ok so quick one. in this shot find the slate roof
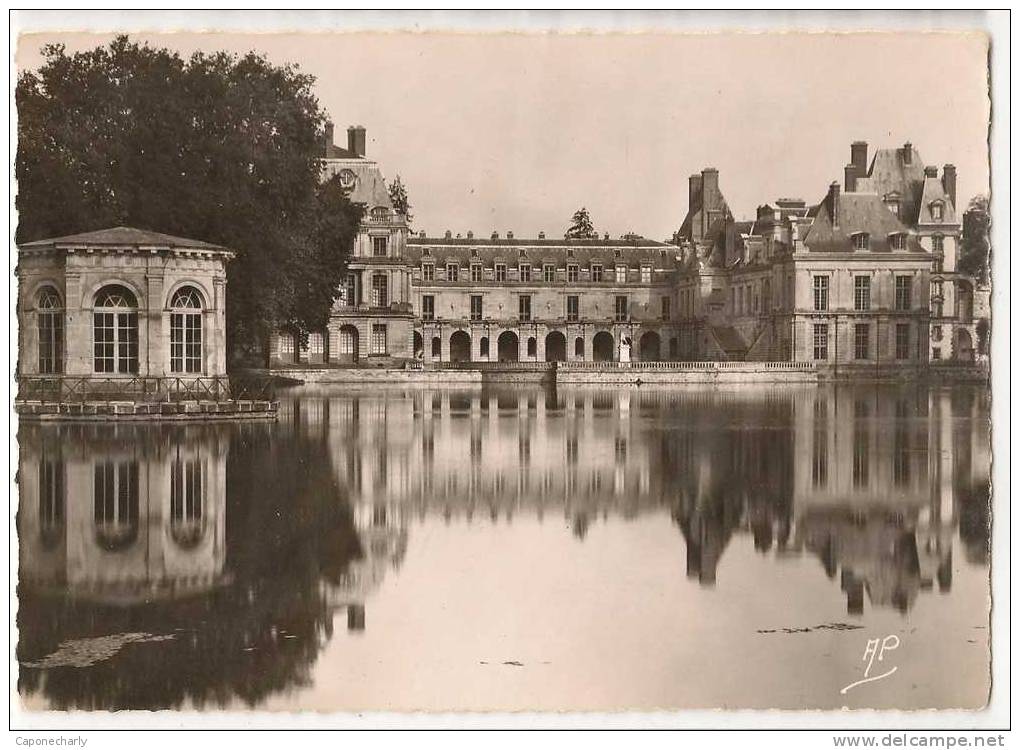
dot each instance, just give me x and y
(858, 212)
(889, 173)
(536, 252)
(125, 236)
(370, 186)
(934, 191)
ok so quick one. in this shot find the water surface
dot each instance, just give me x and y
(513, 549)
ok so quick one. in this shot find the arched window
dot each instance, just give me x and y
(50, 323)
(186, 331)
(115, 330)
(115, 491)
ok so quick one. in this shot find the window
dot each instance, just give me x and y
(115, 330)
(379, 246)
(861, 241)
(596, 272)
(50, 322)
(937, 243)
(572, 273)
(862, 292)
(452, 271)
(348, 292)
(428, 307)
(621, 274)
(115, 502)
(665, 308)
(380, 290)
(476, 271)
(646, 275)
(862, 348)
(524, 271)
(548, 273)
(821, 288)
(286, 343)
(428, 271)
(483, 347)
(186, 331)
(572, 308)
(476, 307)
(821, 341)
(379, 338)
(621, 307)
(902, 341)
(936, 211)
(898, 241)
(187, 496)
(894, 206)
(501, 272)
(903, 301)
(524, 307)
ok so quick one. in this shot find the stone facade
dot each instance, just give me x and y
(122, 303)
(863, 279)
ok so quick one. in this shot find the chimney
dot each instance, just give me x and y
(510, 235)
(448, 234)
(930, 171)
(834, 203)
(709, 187)
(356, 140)
(470, 235)
(495, 236)
(850, 178)
(859, 157)
(421, 234)
(541, 235)
(949, 181)
(328, 137)
(908, 153)
(693, 191)
(606, 236)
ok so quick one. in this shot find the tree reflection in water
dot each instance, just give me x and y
(244, 542)
(255, 631)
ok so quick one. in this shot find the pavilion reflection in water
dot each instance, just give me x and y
(119, 514)
(874, 481)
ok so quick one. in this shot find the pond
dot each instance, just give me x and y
(517, 548)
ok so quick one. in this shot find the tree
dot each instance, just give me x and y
(398, 197)
(974, 252)
(581, 227)
(217, 147)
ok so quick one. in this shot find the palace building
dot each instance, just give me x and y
(866, 277)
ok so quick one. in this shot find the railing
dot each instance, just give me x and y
(742, 365)
(64, 389)
(613, 365)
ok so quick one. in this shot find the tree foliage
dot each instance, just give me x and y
(398, 197)
(974, 252)
(217, 147)
(581, 227)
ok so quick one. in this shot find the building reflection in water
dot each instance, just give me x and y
(122, 514)
(873, 480)
(242, 545)
(207, 541)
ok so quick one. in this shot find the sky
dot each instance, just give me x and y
(498, 132)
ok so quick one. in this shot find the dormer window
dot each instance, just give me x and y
(898, 241)
(936, 211)
(861, 240)
(452, 271)
(380, 213)
(894, 207)
(428, 271)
